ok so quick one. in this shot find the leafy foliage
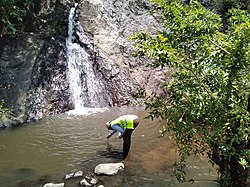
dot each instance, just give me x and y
(5, 114)
(12, 15)
(208, 108)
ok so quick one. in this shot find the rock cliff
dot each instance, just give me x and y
(34, 66)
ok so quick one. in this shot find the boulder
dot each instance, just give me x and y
(108, 168)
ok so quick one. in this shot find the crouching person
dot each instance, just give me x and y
(125, 125)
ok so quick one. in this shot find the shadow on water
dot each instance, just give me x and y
(111, 153)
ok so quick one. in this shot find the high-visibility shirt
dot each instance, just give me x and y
(125, 121)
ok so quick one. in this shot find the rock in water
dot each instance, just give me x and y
(84, 182)
(54, 185)
(78, 174)
(69, 176)
(109, 168)
(73, 175)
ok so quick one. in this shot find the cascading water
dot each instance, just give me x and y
(87, 90)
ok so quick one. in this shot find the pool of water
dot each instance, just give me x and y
(47, 150)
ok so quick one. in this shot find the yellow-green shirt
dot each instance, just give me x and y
(125, 121)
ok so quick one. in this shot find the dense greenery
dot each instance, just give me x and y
(12, 15)
(208, 105)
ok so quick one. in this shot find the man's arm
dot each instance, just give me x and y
(110, 134)
(116, 128)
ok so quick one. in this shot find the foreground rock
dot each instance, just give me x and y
(54, 185)
(109, 168)
(91, 179)
(74, 175)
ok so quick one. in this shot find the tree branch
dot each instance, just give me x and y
(219, 46)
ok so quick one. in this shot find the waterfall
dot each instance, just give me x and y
(87, 89)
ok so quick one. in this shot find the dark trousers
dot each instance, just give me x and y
(127, 141)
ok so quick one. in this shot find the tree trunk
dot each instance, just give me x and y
(232, 173)
(238, 173)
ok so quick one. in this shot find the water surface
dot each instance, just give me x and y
(47, 150)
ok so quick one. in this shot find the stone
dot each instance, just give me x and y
(84, 182)
(109, 168)
(54, 185)
(78, 174)
(94, 181)
(73, 175)
(68, 176)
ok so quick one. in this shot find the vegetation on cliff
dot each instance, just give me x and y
(13, 13)
(5, 114)
(208, 105)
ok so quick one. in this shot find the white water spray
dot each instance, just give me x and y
(85, 87)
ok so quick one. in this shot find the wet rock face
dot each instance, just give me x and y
(110, 24)
(49, 89)
(33, 68)
(16, 65)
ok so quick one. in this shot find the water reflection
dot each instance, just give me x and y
(49, 149)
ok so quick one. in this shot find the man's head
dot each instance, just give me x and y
(108, 125)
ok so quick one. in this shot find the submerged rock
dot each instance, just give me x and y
(109, 168)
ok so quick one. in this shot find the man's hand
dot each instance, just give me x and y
(109, 135)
